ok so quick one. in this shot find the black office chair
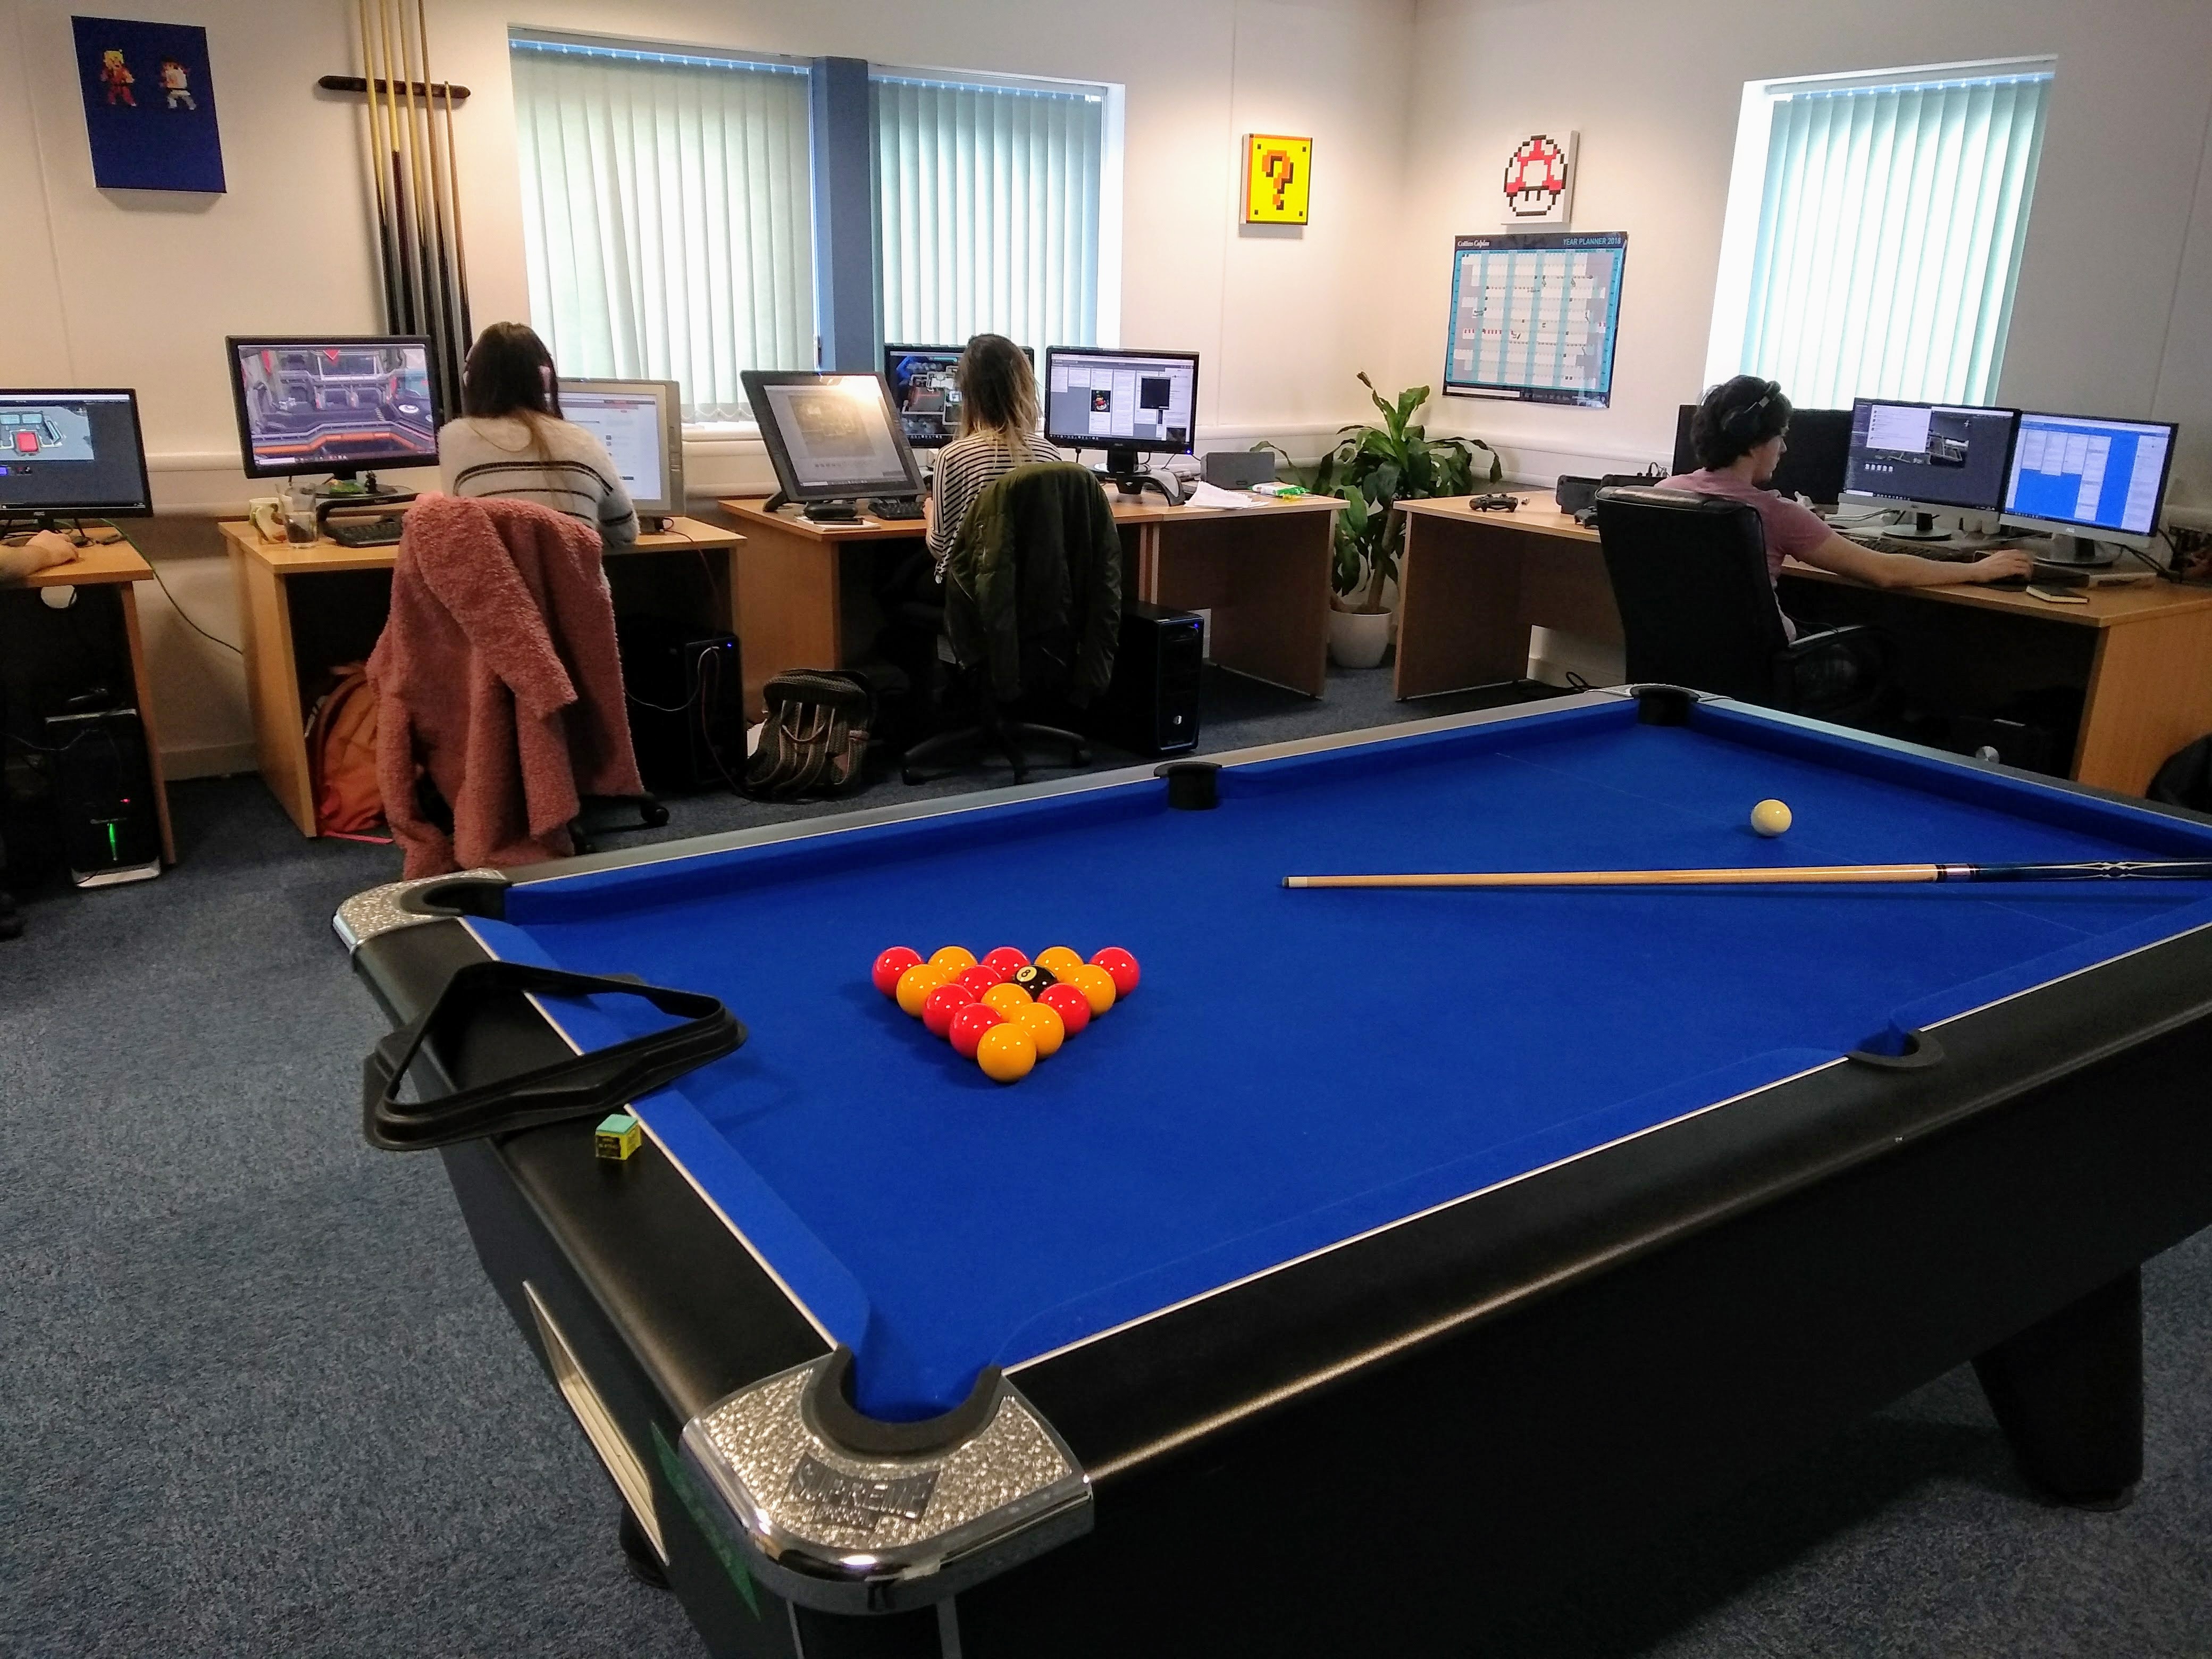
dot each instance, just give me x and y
(1689, 575)
(1051, 638)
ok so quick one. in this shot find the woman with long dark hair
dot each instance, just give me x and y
(511, 441)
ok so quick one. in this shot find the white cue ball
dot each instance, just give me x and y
(1770, 817)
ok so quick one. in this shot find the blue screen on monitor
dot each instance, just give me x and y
(2102, 475)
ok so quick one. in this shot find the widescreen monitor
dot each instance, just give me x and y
(1934, 456)
(1126, 402)
(926, 391)
(67, 454)
(335, 404)
(831, 437)
(2093, 479)
(641, 424)
(1812, 458)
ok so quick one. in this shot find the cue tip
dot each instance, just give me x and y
(1294, 881)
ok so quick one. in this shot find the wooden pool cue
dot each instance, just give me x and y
(1800, 875)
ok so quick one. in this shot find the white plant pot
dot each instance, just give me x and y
(1357, 639)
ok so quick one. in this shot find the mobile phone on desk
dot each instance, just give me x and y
(2057, 596)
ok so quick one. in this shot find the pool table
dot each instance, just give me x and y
(1384, 1254)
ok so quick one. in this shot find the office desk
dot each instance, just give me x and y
(306, 607)
(1474, 583)
(1263, 571)
(113, 568)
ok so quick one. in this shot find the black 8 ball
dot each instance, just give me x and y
(1033, 979)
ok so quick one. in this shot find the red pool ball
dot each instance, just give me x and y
(968, 1028)
(980, 978)
(1121, 965)
(889, 965)
(1069, 1003)
(1006, 959)
(945, 1001)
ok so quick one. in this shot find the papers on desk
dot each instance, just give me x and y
(1206, 495)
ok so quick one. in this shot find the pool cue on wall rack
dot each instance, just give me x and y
(1799, 875)
(387, 246)
(458, 350)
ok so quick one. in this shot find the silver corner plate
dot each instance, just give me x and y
(381, 909)
(840, 1532)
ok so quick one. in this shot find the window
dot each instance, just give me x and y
(666, 215)
(1874, 231)
(994, 209)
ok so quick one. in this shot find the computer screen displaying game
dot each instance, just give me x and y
(65, 452)
(926, 391)
(1931, 454)
(334, 405)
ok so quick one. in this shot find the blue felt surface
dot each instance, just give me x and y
(1301, 1065)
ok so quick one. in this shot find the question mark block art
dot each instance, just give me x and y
(1277, 179)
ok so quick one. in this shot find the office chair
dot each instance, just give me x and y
(1051, 633)
(1689, 575)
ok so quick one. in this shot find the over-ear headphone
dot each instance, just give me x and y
(1742, 422)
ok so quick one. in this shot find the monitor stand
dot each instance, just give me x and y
(1125, 471)
(346, 484)
(2077, 553)
(1923, 528)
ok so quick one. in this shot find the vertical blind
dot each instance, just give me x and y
(988, 200)
(1889, 238)
(667, 215)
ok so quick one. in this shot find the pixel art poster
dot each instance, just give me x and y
(1539, 178)
(149, 104)
(1277, 179)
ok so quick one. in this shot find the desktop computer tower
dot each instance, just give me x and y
(687, 702)
(103, 793)
(1152, 704)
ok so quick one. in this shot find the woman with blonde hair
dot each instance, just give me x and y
(998, 420)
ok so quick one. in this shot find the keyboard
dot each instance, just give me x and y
(364, 533)
(896, 507)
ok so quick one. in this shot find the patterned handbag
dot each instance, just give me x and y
(816, 741)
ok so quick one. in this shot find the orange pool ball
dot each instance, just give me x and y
(968, 1026)
(1057, 960)
(1005, 999)
(916, 983)
(954, 959)
(1007, 1053)
(1096, 984)
(1044, 1026)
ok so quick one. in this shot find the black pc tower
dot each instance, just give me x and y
(687, 702)
(1150, 706)
(104, 797)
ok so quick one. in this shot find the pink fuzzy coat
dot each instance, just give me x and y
(498, 675)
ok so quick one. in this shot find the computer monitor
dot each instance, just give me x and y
(830, 437)
(641, 424)
(1812, 460)
(69, 454)
(1933, 458)
(334, 404)
(925, 391)
(2090, 480)
(1126, 402)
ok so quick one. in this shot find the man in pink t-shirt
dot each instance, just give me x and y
(1739, 433)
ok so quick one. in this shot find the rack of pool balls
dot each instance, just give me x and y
(1005, 1011)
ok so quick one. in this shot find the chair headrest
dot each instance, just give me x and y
(1672, 500)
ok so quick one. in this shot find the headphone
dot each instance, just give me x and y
(1743, 421)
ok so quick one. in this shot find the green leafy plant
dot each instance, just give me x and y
(1374, 468)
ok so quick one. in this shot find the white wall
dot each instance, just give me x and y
(132, 288)
(2109, 318)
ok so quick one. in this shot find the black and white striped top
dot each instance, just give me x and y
(568, 470)
(965, 469)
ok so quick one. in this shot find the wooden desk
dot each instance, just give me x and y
(308, 606)
(1474, 583)
(1263, 571)
(115, 567)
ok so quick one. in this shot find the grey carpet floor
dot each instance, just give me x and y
(256, 1397)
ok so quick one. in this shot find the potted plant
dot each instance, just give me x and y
(1374, 468)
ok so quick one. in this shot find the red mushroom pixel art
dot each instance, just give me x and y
(1535, 177)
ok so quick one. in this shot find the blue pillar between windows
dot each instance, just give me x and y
(844, 214)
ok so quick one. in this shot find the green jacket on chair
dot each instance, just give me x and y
(1033, 587)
